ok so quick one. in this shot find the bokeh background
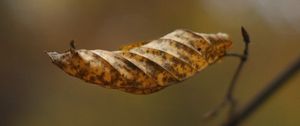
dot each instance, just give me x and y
(34, 92)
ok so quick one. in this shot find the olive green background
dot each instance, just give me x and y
(34, 92)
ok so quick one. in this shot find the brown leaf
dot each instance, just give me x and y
(145, 67)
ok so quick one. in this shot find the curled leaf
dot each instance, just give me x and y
(145, 67)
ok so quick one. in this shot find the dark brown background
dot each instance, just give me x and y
(33, 92)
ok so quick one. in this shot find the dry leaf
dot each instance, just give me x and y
(145, 67)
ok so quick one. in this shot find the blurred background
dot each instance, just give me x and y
(34, 92)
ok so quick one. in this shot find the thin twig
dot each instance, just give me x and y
(234, 55)
(232, 102)
(229, 99)
(265, 94)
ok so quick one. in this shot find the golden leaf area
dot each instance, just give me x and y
(145, 67)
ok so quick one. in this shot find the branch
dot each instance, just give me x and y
(232, 85)
(265, 94)
(229, 99)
